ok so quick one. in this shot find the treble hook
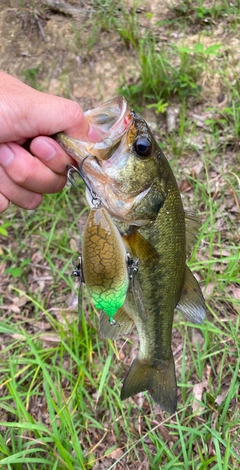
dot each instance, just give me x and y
(96, 201)
(71, 169)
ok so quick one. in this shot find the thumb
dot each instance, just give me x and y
(65, 115)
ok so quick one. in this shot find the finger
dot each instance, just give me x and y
(11, 192)
(63, 115)
(26, 113)
(4, 203)
(51, 154)
(28, 171)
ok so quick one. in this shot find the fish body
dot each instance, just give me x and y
(162, 282)
(104, 261)
(135, 183)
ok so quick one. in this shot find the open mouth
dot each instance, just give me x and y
(111, 117)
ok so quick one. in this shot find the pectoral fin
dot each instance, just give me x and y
(191, 303)
(139, 300)
(140, 247)
(122, 327)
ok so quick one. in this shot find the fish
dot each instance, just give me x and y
(131, 176)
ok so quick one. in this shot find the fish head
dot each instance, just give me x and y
(127, 170)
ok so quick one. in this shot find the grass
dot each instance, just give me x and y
(168, 72)
(199, 12)
(60, 385)
(105, 17)
(59, 381)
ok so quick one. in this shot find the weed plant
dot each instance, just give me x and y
(167, 72)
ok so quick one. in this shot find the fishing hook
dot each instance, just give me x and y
(71, 169)
(96, 201)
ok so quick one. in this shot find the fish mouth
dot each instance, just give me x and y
(96, 161)
(112, 119)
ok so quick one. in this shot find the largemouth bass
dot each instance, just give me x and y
(135, 183)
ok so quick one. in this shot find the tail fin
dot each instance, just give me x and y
(160, 381)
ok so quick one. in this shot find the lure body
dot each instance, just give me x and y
(104, 261)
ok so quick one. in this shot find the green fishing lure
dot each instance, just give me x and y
(104, 263)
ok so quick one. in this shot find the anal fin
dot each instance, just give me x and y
(191, 303)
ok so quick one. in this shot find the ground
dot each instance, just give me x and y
(78, 50)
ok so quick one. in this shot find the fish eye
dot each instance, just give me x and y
(143, 146)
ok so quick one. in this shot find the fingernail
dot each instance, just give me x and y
(6, 155)
(94, 134)
(44, 150)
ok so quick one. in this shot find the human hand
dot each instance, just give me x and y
(25, 114)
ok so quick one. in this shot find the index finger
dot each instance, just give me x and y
(65, 116)
(51, 154)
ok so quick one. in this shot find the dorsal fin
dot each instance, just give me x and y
(191, 303)
(192, 226)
